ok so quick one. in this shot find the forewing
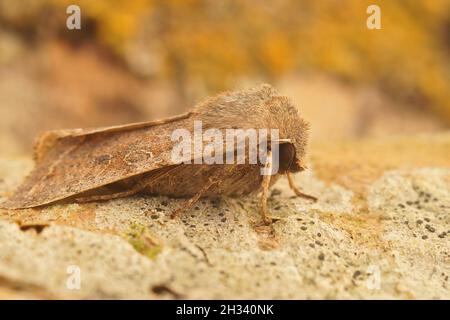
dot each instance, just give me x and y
(77, 162)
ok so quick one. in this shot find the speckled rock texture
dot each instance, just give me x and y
(380, 229)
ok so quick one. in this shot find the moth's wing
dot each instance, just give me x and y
(76, 161)
(46, 141)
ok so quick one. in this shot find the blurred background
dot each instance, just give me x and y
(138, 60)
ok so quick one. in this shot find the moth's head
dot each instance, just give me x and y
(261, 107)
(293, 132)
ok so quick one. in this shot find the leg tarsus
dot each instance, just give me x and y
(297, 192)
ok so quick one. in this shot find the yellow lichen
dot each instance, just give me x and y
(143, 241)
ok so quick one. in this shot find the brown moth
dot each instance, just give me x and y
(106, 163)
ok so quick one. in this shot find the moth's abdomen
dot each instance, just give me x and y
(187, 180)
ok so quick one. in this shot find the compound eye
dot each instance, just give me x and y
(287, 156)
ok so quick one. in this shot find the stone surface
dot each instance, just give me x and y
(380, 229)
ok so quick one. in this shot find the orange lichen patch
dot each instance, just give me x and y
(364, 229)
(79, 216)
(356, 164)
(9, 294)
(83, 218)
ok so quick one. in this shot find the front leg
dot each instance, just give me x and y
(265, 189)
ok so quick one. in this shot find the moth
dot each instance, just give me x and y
(98, 164)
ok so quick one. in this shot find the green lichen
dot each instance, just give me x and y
(143, 241)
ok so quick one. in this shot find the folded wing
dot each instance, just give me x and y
(70, 162)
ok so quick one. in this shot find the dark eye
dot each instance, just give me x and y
(287, 156)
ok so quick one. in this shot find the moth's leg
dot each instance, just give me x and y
(296, 190)
(189, 203)
(265, 184)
